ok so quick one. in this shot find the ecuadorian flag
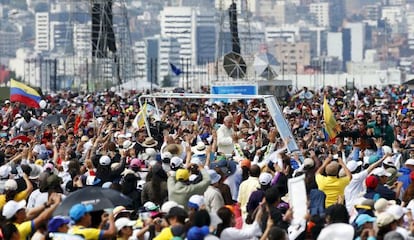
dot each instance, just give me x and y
(332, 128)
(20, 92)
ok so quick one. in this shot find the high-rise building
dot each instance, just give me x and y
(357, 31)
(61, 37)
(42, 31)
(337, 13)
(9, 41)
(82, 39)
(153, 57)
(194, 29)
(320, 13)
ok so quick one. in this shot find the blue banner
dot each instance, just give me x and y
(240, 89)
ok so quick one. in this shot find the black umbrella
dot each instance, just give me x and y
(234, 65)
(99, 198)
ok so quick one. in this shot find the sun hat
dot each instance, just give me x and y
(149, 142)
(385, 218)
(214, 176)
(199, 149)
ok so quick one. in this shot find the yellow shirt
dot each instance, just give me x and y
(25, 229)
(87, 233)
(19, 196)
(332, 187)
(165, 234)
(246, 188)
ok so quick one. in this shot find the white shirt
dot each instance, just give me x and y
(355, 188)
(213, 199)
(37, 199)
(248, 232)
(24, 126)
(225, 140)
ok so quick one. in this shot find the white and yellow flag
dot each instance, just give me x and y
(139, 120)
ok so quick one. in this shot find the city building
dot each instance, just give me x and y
(42, 31)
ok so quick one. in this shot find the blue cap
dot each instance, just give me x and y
(196, 233)
(79, 210)
(56, 223)
(364, 218)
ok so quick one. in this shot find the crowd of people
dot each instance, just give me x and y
(206, 169)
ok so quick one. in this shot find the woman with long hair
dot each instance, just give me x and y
(155, 189)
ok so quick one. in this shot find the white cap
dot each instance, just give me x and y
(409, 161)
(176, 162)
(353, 165)
(11, 208)
(104, 160)
(379, 171)
(10, 185)
(123, 222)
(265, 178)
(165, 208)
(397, 211)
(197, 200)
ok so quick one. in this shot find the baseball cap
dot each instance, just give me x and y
(214, 176)
(265, 178)
(364, 218)
(104, 160)
(196, 201)
(165, 208)
(150, 206)
(384, 219)
(195, 233)
(245, 163)
(371, 182)
(79, 210)
(409, 161)
(56, 222)
(380, 172)
(10, 185)
(397, 211)
(176, 162)
(12, 207)
(135, 162)
(123, 222)
(182, 174)
(353, 165)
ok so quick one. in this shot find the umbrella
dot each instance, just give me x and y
(99, 198)
(234, 65)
